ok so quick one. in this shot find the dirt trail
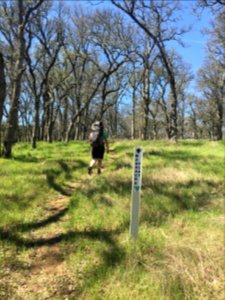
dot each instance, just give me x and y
(46, 272)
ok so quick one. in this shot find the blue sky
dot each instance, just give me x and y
(195, 40)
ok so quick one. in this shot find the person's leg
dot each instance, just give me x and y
(99, 166)
(93, 161)
(91, 165)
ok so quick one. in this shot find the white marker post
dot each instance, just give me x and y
(136, 190)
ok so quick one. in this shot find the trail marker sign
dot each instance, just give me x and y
(135, 194)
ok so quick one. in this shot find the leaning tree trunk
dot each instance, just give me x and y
(173, 111)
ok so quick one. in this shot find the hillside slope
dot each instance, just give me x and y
(65, 235)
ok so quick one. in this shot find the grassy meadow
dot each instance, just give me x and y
(65, 235)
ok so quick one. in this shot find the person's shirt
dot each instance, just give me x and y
(105, 135)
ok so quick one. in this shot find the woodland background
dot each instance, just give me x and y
(64, 234)
(62, 67)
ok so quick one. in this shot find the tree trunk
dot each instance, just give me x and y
(102, 111)
(194, 127)
(36, 129)
(133, 125)
(46, 114)
(50, 122)
(65, 119)
(86, 118)
(155, 132)
(146, 97)
(2, 95)
(219, 119)
(68, 132)
(2, 85)
(115, 129)
(77, 129)
(182, 119)
(50, 128)
(12, 122)
(173, 112)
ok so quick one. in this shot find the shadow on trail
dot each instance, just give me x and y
(100, 235)
(37, 225)
(110, 256)
(51, 179)
(57, 168)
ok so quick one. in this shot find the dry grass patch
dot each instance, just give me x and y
(194, 258)
(173, 175)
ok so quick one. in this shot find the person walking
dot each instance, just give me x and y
(98, 139)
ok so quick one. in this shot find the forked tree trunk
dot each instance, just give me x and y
(12, 122)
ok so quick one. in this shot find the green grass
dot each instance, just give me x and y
(64, 235)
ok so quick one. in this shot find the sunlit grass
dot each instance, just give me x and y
(179, 253)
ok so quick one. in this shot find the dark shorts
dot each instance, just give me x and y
(98, 152)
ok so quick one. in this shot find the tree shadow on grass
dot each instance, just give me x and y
(192, 143)
(174, 155)
(191, 195)
(72, 165)
(121, 165)
(121, 186)
(174, 198)
(26, 158)
(58, 168)
(110, 257)
(23, 227)
(51, 176)
(119, 148)
(12, 237)
(171, 197)
(106, 200)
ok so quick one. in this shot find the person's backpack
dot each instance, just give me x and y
(94, 137)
